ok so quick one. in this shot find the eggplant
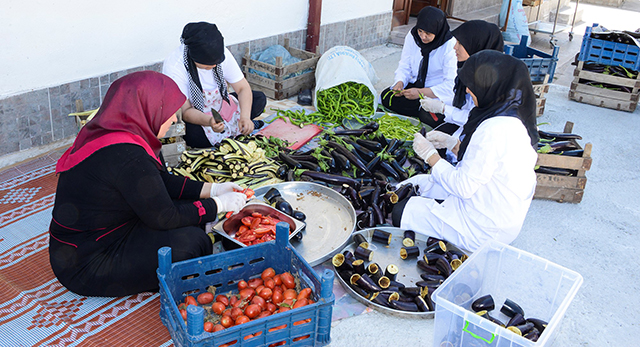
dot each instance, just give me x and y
(363, 293)
(359, 240)
(521, 329)
(570, 153)
(348, 256)
(373, 270)
(358, 267)
(373, 125)
(517, 319)
(428, 284)
(483, 303)
(422, 304)
(299, 215)
(421, 164)
(353, 132)
(363, 253)
(404, 191)
(431, 240)
(409, 239)
(432, 278)
(365, 282)
(391, 271)
(271, 194)
(371, 165)
(364, 152)
(539, 324)
(352, 195)
(444, 267)
(342, 163)
(379, 216)
(380, 299)
(554, 171)
(380, 176)
(395, 283)
(402, 173)
(558, 136)
(510, 308)
(411, 291)
(349, 155)
(381, 236)
(388, 169)
(533, 335)
(303, 157)
(430, 258)
(455, 264)
(393, 145)
(384, 282)
(291, 175)
(409, 252)
(332, 179)
(310, 166)
(404, 305)
(374, 146)
(285, 158)
(374, 198)
(438, 247)
(340, 264)
(429, 269)
(423, 131)
(345, 274)
(282, 205)
(282, 171)
(563, 145)
(371, 221)
(383, 140)
(486, 315)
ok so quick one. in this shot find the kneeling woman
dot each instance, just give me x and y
(488, 193)
(115, 203)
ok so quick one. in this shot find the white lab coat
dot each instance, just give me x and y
(442, 70)
(486, 196)
(458, 116)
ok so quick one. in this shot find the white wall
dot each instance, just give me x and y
(48, 43)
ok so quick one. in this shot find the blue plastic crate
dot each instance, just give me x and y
(609, 53)
(540, 64)
(224, 270)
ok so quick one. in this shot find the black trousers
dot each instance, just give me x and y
(411, 108)
(195, 136)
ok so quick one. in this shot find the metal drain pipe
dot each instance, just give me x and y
(313, 26)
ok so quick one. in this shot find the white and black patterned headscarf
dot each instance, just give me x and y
(204, 44)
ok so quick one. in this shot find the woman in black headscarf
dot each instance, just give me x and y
(488, 193)
(427, 67)
(201, 67)
(472, 37)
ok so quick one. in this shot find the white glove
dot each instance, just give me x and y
(423, 148)
(432, 105)
(423, 181)
(218, 189)
(230, 202)
(442, 140)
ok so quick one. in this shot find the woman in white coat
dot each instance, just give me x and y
(488, 193)
(427, 67)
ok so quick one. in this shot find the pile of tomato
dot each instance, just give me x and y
(257, 298)
(257, 228)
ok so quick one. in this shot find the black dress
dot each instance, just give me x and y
(112, 213)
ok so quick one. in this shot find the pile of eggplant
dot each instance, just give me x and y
(559, 144)
(379, 283)
(529, 328)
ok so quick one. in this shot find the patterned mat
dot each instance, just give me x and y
(36, 310)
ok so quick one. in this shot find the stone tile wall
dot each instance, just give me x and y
(40, 117)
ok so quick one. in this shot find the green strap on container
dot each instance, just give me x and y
(466, 325)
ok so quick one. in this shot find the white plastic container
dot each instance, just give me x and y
(543, 289)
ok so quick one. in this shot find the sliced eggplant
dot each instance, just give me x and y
(363, 253)
(437, 247)
(517, 319)
(360, 240)
(381, 236)
(358, 266)
(409, 238)
(409, 252)
(510, 308)
(391, 271)
(483, 303)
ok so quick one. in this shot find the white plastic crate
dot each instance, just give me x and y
(543, 289)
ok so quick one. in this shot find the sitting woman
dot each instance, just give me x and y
(427, 68)
(488, 193)
(115, 203)
(202, 66)
(472, 37)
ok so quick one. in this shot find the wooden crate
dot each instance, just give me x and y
(172, 151)
(531, 2)
(563, 188)
(540, 102)
(281, 88)
(617, 100)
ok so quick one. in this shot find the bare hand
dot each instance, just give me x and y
(398, 86)
(411, 93)
(245, 125)
(217, 127)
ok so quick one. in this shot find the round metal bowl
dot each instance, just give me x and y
(330, 218)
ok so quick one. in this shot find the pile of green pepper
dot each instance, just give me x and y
(345, 101)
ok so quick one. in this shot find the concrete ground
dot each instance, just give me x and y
(597, 237)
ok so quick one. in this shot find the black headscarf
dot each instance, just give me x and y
(502, 85)
(474, 36)
(434, 21)
(204, 44)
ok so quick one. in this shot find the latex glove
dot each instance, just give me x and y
(218, 189)
(422, 181)
(423, 148)
(432, 105)
(233, 202)
(442, 140)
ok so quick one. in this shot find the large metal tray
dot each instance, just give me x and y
(408, 272)
(330, 218)
(227, 227)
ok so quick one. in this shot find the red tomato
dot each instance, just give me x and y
(235, 313)
(277, 297)
(242, 285)
(271, 307)
(255, 223)
(267, 273)
(247, 220)
(190, 300)
(208, 327)
(252, 311)
(247, 294)
(226, 312)
(257, 300)
(261, 230)
(249, 193)
(217, 327)
(270, 283)
(300, 303)
(277, 280)
(288, 280)
(183, 313)
(226, 321)
(264, 314)
(304, 293)
(256, 215)
(266, 293)
(233, 299)
(242, 319)
(255, 282)
(223, 299)
(205, 298)
(290, 294)
(182, 306)
(218, 307)
(283, 309)
(287, 303)
(242, 229)
(259, 289)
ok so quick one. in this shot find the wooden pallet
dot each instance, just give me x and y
(281, 88)
(591, 95)
(563, 188)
